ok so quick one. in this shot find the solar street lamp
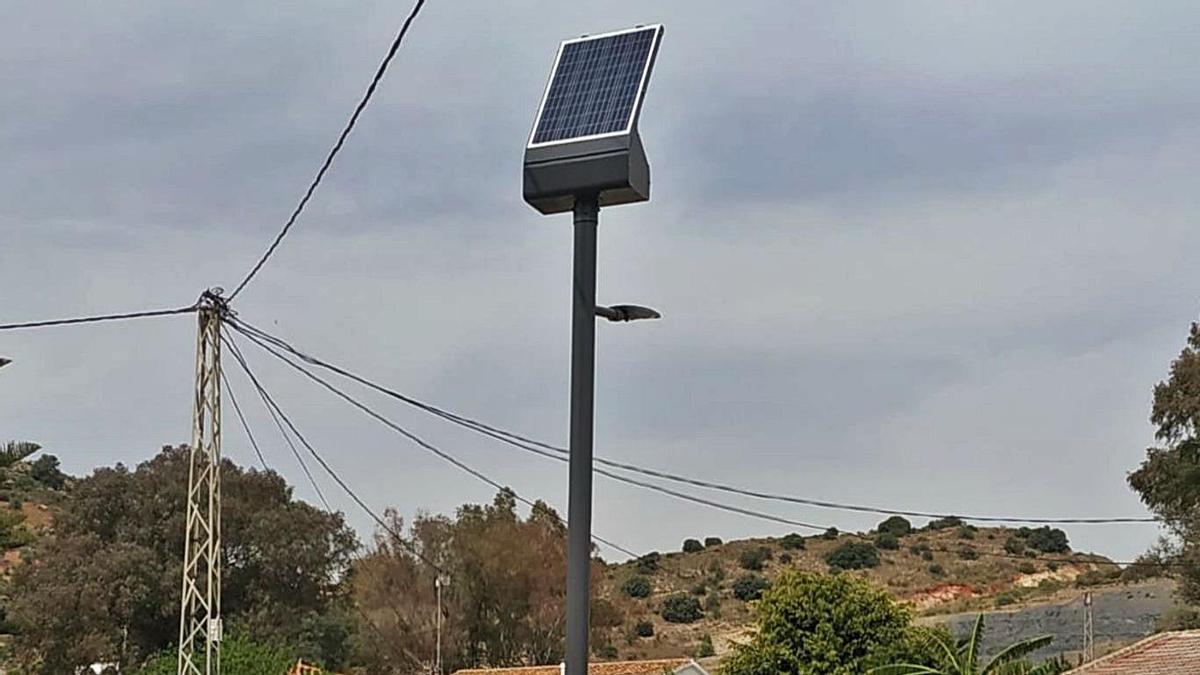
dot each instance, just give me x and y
(584, 152)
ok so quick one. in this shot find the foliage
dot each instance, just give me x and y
(644, 629)
(853, 555)
(962, 658)
(15, 451)
(1168, 481)
(1014, 545)
(681, 609)
(692, 546)
(637, 587)
(897, 526)
(1026, 568)
(1048, 540)
(966, 532)
(504, 605)
(45, 471)
(785, 558)
(936, 570)
(968, 553)
(709, 542)
(648, 563)
(830, 534)
(753, 558)
(833, 625)
(792, 542)
(749, 587)
(705, 648)
(114, 565)
(12, 534)
(239, 656)
(1180, 618)
(887, 542)
(945, 523)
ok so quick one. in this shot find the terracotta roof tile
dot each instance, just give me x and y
(1175, 653)
(611, 668)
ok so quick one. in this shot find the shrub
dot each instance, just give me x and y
(749, 587)
(1006, 598)
(830, 534)
(886, 541)
(637, 587)
(712, 605)
(792, 542)
(945, 523)
(608, 651)
(45, 471)
(705, 648)
(927, 555)
(681, 609)
(937, 570)
(897, 526)
(853, 556)
(753, 558)
(692, 546)
(1024, 532)
(648, 564)
(966, 532)
(1026, 568)
(1052, 565)
(709, 542)
(1049, 540)
(700, 589)
(785, 558)
(1098, 577)
(644, 629)
(968, 553)
(1014, 545)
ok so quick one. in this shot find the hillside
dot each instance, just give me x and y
(940, 569)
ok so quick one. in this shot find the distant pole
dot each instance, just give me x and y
(1089, 629)
(439, 583)
(583, 376)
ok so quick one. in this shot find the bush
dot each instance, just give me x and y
(945, 523)
(1006, 598)
(785, 558)
(712, 605)
(749, 587)
(644, 629)
(1098, 577)
(887, 542)
(608, 651)
(853, 556)
(705, 648)
(1014, 546)
(681, 609)
(968, 553)
(1052, 565)
(927, 555)
(1048, 540)
(830, 534)
(1026, 568)
(648, 564)
(637, 587)
(792, 542)
(897, 526)
(937, 570)
(753, 558)
(45, 471)
(692, 546)
(700, 589)
(239, 656)
(966, 532)
(709, 542)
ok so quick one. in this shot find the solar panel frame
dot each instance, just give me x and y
(634, 112)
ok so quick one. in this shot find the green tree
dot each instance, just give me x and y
(239, 656)
(1168, 481)
(106, 587)
(962, 657)
(816, 624)
(45, 471)
(897, 526)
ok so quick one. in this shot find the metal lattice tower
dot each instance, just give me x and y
(200, 603)
(1089, 629)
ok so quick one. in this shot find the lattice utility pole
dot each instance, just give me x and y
(200, 604)
(1089, 629)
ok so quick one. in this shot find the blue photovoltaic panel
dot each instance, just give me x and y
(595, 87)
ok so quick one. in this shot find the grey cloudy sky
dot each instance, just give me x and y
(931, 255)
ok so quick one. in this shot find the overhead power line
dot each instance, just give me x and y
(429, 447)
(99, 318)
(245, 427)
(358, 110)
(525, 442)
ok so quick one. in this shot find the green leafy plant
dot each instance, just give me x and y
(1048, 540)
(644, 629)
(897, 526)
(830, 534)
(945, 523)
(853, 555)
(705, 648)
(681, 609)
(637, 587)
(648, 564)
(709, 542)
(749, 587)
(792, 542)
(692, 546)
(753, 558)
(887, 542)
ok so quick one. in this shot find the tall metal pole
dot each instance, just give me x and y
(583, 376)
(441, 581)
(1089, 629)
(200, 601)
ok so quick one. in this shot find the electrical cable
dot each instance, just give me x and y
(432, 448)
(287, 439)
(523, 441)
(329, 470)
(99, 318)
(362, 104)
(245, 427)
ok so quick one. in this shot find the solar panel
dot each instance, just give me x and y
(596, 85)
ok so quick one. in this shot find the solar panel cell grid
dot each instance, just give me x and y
(595, 87)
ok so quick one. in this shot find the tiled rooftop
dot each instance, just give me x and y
(612, 668)
(1176, 653)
